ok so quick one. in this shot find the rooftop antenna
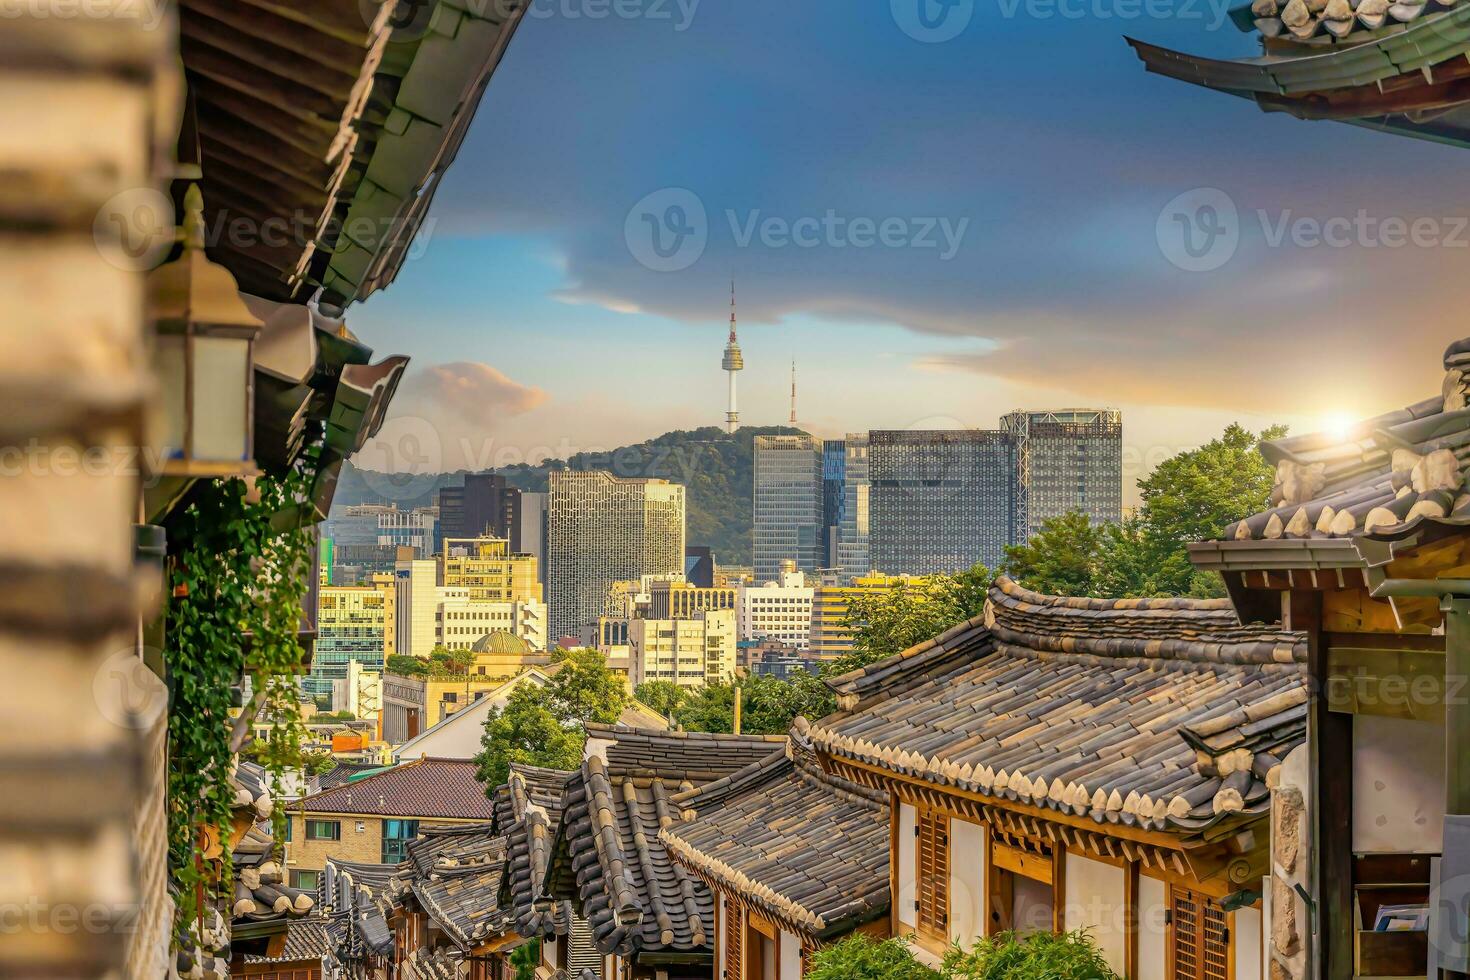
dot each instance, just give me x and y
(793, 391)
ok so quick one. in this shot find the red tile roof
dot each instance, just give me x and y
(444, 788)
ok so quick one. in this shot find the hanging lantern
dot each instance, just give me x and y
(203, 358)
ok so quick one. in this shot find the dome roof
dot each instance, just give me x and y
(502, 642)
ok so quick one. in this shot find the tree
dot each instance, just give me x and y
(584, 689)
(709, 709)
(889, 622)
(526, 731)
(406, 666)
(1062, 558)
(447, 661)
(769, 705)
(664, 697)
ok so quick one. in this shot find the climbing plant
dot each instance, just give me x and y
(238, 580)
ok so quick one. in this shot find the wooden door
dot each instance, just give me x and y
(1199, 938)
(932, 884)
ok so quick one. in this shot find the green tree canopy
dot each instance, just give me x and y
(584, 689)
(665, 697)
(889, 622)
(405, 666)
(1060, 559)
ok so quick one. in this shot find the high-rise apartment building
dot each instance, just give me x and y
(1071, 459)
(787, 504)
(687, 652)
(852, 529)
(940, 501)
(486, 506)
(354, 625)
(603, 529)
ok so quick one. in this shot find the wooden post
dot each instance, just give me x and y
(738, 693)
(1330, 748)
(1130, 920)
(1456, 712)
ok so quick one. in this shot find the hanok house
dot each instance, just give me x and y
(374, 818)
(650, 917)
(446, 916)
(528, 811)
(355, 898)
(1366, 551)
(797, 857)
(1067, 763)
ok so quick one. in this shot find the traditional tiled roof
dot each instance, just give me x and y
(1383, 476)
(528, 810)
(342, 773)
(260, 890)
(309, 938)
(355, 895)
(1088, 707)
(424, 788)
(608, 855)
(455, 874)
(809, 847)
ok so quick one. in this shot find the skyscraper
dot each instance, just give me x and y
(1071, 459)
(940, 500)
(852, 529)
(834, 500)
(787, 504)
(485, 505)
(602, 529)
(732, 362)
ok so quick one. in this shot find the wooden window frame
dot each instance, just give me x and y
(1003, 863)
(1205, 904)
(311, 822)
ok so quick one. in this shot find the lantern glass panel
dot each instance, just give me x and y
(172, 370)
(221, 398)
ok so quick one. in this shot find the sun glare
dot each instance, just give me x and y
(1339, 425)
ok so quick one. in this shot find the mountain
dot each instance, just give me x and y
(717, 468)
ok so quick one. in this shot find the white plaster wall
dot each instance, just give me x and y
(967, 893)
(1153, 931)
(790, 956)
(1094, 902)
(906, 867)
(1398, 785)
(1247, 938)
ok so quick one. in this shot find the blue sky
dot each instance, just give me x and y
(534, 326)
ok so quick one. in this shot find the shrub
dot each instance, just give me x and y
(859, 958)
(1037, 956)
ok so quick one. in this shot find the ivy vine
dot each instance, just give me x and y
(238, 581)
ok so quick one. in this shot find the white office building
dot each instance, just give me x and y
(777, 610)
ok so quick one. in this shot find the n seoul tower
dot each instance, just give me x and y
(732, 362)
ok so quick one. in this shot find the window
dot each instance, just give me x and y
(307, 880)
(931, 902)
(396, 835)
(1199, 937)
(323, 830)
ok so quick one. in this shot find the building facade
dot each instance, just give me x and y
(1066, 460)
(409, 529)
(355, 625)
(787, 504)
(490, 570)
(602, 529)
(831, 635)
(851, 558)
(779, 610)
(689, 652)
(941, 500)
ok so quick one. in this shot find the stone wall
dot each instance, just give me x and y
(1291, 864)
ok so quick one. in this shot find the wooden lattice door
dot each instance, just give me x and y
(734, 942)
(932, 887)
(1199, 940)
